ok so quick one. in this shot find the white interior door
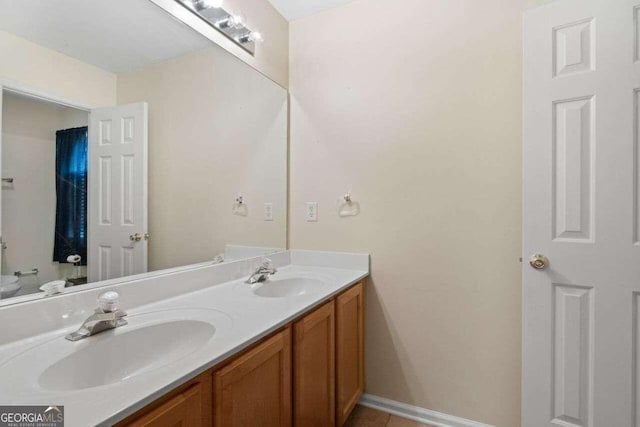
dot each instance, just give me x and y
(117, 223)
(581, 210)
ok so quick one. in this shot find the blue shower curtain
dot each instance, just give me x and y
(71, 194)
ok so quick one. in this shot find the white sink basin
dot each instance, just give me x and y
(288, 287)
(129, 353)
(151, 341)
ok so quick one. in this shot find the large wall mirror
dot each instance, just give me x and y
(130, 146)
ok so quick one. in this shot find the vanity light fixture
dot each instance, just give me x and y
(253, 36)
(232, 25)
(232, 21)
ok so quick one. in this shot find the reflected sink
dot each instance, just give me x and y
(288, 287)
(128, 354)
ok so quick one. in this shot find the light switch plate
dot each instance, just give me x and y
(268, 211)
(312, 211)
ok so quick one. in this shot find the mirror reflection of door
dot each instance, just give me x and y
(118, 203)
(47, 219)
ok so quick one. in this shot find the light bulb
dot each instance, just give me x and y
(253, 36)
(256, 37)
(236, 21)
(232, 21)
(212, 3)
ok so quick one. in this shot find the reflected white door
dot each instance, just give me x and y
(581, 210)
(117, 216)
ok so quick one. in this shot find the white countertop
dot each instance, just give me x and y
(240, 317)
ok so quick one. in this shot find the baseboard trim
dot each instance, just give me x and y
(416, 413)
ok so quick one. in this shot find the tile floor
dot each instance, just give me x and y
(367, 417)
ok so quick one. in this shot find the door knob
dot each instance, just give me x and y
(135, 237)
(538, 261)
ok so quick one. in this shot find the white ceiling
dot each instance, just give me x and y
(294, 9)
(115, 35)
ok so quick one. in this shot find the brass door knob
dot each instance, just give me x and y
(135, 237)
(538, 261)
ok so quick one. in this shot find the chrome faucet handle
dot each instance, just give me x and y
(267, 265)
(262, 273)
(106, 316)
(108, 301)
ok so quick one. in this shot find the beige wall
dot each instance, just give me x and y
(44, 70)
(217, 128)
(415, 105)
(29, 204)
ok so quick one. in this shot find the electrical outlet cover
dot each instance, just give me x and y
(312, 211)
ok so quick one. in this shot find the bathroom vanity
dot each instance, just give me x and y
(310, 372)
(201, 348)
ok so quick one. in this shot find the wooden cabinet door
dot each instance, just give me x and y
(314, 369)
(349, 350)
(185, 409)
(255, 389)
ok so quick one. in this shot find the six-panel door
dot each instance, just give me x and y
(117, 209)
(582, 211)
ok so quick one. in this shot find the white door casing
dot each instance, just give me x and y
(581, 315)
(118, 191)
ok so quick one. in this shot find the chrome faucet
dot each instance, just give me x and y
(107, 316)
(263, 272)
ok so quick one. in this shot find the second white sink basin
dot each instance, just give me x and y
(287, 287)
(128, 354)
